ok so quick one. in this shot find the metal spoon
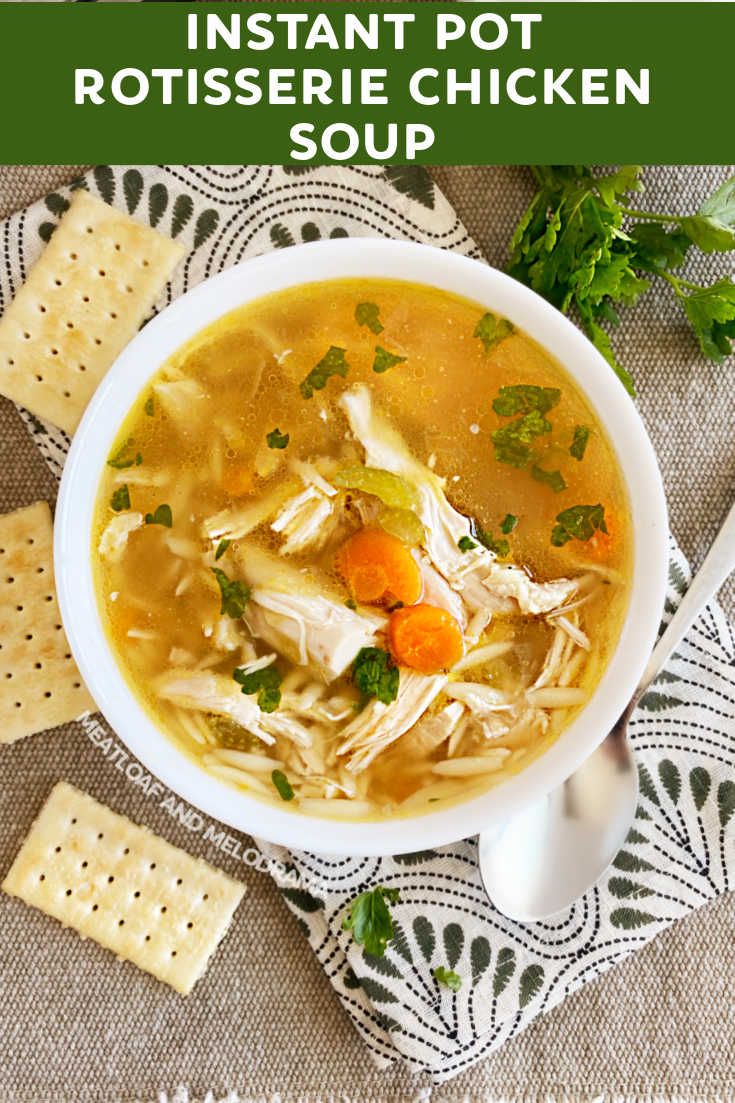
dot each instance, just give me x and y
(547, 856)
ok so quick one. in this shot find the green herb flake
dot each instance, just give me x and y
(580, 441)
(578, 523)
(277, 439)
(448, 978)
(552, 479)
(466, 543)
(368, 314)
(122, 458)
(266, 682)
(120, 499)
(499, 547)
(150, 406)
(235, 595)
(385, 360)
(512, 441)
(375, 674)
(491, 330)
(523, 398)
(161, 516)
(351, 603)
(370, 920)
(332, 363)
(283, 785)
(508, 523)
(221, 549)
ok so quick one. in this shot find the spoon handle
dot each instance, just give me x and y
(717, 566)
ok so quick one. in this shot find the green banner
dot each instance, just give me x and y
(308, 83)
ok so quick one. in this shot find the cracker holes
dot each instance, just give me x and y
(58, 283)
(11, 362)
(70, 325)
(101, 272)
(90, 229)
(85, 298)
(54, 352)
(39, 379)
(41, 308)
(113, 315)
(26, 335)
(73, 256)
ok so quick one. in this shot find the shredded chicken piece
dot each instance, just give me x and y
(217, 693)
(176, 395)
(239, 521)
(438, 592)
(114, 539)
(379, 725)
(431, 731)
(307, 521)
(476, 574)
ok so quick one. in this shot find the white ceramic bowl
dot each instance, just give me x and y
(274, 272)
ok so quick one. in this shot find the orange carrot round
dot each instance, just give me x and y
(379, 569)
(424, 637)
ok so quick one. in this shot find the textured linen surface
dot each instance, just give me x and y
(672, 795)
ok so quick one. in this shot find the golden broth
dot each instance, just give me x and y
(200, 430)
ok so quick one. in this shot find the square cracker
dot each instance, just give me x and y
(40, 686)
(119, 884)
(83, 301)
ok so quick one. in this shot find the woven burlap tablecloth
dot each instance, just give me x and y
(660, 1026)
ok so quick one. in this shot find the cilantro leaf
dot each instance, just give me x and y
(711, 313)
(448, 978)
(368, 314)
(122, 458)
(120, 498)
(657, 248)
(492, 330)
(332, 363)
(512, 441)
(553, 479)
(277, 439)
(282, 784)
(370, 920)
(578, 523)
(465, 544)
(508, 523)
(384, 360)
(500, 547)
(161, 516)
(580, 441)
(708, 234)
(221, 549)
(235, 595)
(375, 674)
(266, 682)
(150, 406)
(523, 398)
(721, 204)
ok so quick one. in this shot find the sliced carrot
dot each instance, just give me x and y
(425, 638)
(379, 569)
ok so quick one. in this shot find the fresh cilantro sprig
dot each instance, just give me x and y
(161, 515)
(120, 499)
(368, 314)
(277, 439)
(578, 523)
(375, 674)
(266, 682)
(385, 360)
(332, 363)
(580, 246)
(370, 920)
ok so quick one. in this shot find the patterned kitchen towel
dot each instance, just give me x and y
(681, 852)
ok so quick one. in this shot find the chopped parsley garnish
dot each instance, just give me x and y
(277, 439)
(266, 682)
(370, 920)
(351, 603)
(553, 479)
(448, 978)
(332, 363)
(368, 314)
(466, 543)
(580, 441)
(578, 523)
(508, 523)
(523, 398)
(375, 674)
(385, 360)
(161, 516)
(512, 441)
(150, 406)
(123, 458)
(282, 784)
(221, 549)
(499, 546)
(120, 499)
(492, 330)
(235, 595)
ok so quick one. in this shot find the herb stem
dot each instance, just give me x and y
(652, 216)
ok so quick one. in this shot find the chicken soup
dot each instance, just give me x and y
(362, 548)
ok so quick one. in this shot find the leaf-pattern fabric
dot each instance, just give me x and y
(680, 852)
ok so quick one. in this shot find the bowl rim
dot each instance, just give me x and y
(252, 279)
